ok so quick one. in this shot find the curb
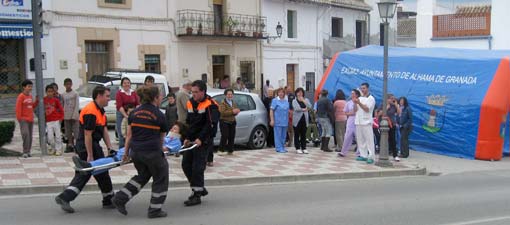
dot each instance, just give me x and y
(419, 171)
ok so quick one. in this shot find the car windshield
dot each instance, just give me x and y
(86, 90)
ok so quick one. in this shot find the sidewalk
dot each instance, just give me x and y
(50, 174)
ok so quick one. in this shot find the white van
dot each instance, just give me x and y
(112, 81)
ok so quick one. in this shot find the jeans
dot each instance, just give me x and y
(118, 128)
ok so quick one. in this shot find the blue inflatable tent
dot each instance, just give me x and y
(460, 98)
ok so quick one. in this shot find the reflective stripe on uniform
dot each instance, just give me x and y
(107, 194)
(127, 192)
(136, 184)
(156, 206)
(75, 189)
(197, 188)
(146, 126)
(157, 195)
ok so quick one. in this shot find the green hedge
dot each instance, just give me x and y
(6, 132)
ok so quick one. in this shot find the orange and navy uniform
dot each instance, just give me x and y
(92, 118)
(200, 119)
(147, 123)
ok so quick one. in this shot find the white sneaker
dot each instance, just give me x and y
(397, 159)
(299, 151)
(305, 151)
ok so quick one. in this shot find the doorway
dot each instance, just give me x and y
(97, 58)
(291, 76)
(361, 33)
(220, 68)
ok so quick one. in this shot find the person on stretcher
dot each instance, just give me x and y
(172, 144)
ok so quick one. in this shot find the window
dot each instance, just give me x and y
(115, 1)
(337, 27)
(248, 74)
(152, 64)
(291, 24)
(244, 102)
(118, 4)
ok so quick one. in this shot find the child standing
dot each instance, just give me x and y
(54, 114)
(71, 114)
(124, 124)
(25, 116)
(171, 110)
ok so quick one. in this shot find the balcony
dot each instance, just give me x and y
(197, 23)
(462, 25)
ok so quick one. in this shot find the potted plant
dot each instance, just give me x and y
(189, 30)
(230, 23)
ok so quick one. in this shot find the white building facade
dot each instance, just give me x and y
(313, 32)
(489, 23)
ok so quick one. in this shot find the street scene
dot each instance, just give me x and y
(254, 112)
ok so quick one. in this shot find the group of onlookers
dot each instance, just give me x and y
(58, 108)
(292, 116)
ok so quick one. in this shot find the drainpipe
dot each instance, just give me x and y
(368, 28)
(489, 39)
(261, 56)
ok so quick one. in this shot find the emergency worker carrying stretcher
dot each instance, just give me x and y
(147, 128)
(202, 115)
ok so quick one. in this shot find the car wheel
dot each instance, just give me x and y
(257, 138)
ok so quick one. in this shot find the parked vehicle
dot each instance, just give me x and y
(112, 81)
(251, 129)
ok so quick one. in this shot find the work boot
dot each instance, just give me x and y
(325, 141)
(69, 149)
(194, 199)
(157, 214)
(64, 205)
(322, 143)
(121, 206)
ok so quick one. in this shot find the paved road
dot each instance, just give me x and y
(475, 198)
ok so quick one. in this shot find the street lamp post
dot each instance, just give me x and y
(279, 30)
(386, 12)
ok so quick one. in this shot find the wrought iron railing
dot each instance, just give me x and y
(206, 23)
(462, 25)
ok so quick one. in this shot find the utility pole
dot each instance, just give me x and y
(37, 22)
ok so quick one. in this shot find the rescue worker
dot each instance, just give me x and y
(93, 128)
(147, 128)
(201, 110)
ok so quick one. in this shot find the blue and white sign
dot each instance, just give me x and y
(16, 31)
(16, 9)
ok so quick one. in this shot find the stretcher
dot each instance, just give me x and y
(120, 163)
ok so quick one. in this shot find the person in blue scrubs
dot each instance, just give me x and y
(279, 114)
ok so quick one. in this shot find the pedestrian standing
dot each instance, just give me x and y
(201, 110)
(54, 114)
(171, 110)
(290, 128)
(149, 81)
(324, 108)
(280, 120)
(406, 126)
(25, 116)
(71, 114)
(57, 94)
(124, 97)
(182, 98)
(147, 128)
(228, 112)
(300, 122)
(340, 119)
(392, 109)
(92, 129)
(350, 131)
(364, 133)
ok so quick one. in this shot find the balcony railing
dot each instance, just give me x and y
(462, 25)
(206, 23)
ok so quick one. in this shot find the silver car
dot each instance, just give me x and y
(251, 129)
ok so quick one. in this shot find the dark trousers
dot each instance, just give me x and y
(404, 141)
(300, 134)
(193, 165)
(210, 152)
(148, 164)
(392, 142)
(80, 180)
(228, 134)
